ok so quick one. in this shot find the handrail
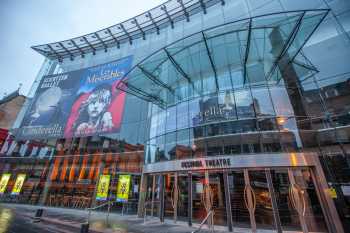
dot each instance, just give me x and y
(210, 213)
(97, 207)
(109, 209)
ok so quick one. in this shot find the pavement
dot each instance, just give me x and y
(16, 218)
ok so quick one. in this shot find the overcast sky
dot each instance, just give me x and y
(24, 23)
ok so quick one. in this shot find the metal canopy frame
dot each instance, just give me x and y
(102, 42)
(155, 79)
(177, 66)
(76, 46)
(290, 38)
(170, 53)
(139, 26)
(246, 55)
(89, 44)
(184, 10)
(211, 61)
(149, 15)
(121, 26)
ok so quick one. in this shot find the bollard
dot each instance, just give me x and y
(38, 215)
(84, 228)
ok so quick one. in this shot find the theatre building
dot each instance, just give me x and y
(232, 110)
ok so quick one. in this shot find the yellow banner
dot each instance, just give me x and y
(123, 188)
(102, 188)
(3, 182)
(332, 193)
(18, 184)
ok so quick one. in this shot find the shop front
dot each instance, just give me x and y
(277, 192)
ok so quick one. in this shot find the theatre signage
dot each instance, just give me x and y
(233, 161)
(206, 163)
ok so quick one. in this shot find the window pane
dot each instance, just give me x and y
(171, 119)
(244, 104)
(262, 102)
(182, 115)
(281, 101)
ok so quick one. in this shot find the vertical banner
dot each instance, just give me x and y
(123, 188)
(18, 184)
(3, 182)
(102, 188)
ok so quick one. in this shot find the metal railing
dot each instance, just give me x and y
(109, 203)
(210, 223)
(99, 206)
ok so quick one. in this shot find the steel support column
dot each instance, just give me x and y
(190, 198)
(276, 215)
(161, 197)
(211, 61)
(228, 201)
(246, 54)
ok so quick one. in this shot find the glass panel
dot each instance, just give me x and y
(169, 189)
(182, 115)
(232, 145)
(227, 48)
(288, 215)
(262, 102)
(240, 214)
(217, 190)
(171, 119)
(199, 212)
(281, 101)
(194, 112)
(313, 212)
(183, 147)
(182, 211)
(263, 212)
(170, 146)
(244, 104)
(227, 105)
(308, 24)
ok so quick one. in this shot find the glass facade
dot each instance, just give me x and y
(237, 79)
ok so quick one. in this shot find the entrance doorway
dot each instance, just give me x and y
(279, 199)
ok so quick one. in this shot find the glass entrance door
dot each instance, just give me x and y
(269, 199)
(209, 194)
(279, 200)
(176, 196)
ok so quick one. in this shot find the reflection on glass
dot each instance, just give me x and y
(263, 211)
(244, 104)
(313, 212)
(262, 102)
(288, 216)
(240, 214)
(281, 101)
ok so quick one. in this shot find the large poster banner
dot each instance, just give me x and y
(102, 187)
(3, 182)
(76, 104)
(18, 184)
(123, 188)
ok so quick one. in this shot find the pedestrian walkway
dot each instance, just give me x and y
(70, 220)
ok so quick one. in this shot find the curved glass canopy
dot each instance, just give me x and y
(247, 52)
